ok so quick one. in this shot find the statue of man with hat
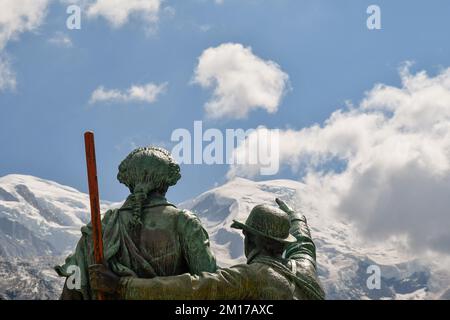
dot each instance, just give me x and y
(147, 236)
(281, 264)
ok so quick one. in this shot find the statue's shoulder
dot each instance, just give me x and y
(249, 274)
(188, 216)
(107, 217)
(110, 213)
(116, 215)
(189, 223)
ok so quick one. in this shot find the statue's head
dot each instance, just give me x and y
(149, 169)
(266, 230)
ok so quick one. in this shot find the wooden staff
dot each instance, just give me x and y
(95, 200)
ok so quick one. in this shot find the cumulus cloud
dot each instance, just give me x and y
(118, 12)
(384, 164)
(241, 81)
(16, 17)
(147, 93)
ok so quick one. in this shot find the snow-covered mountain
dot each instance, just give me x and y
(343, 258)
(40, 217)
(29, 279)
(40, 222)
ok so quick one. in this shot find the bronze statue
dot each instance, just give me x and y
(269, 274)
(148, 236)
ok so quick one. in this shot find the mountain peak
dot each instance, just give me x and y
(39, 216)
(33, 182)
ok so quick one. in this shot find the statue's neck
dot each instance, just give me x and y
(153, 199)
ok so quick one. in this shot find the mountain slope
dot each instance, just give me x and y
(40, 223)
(29, 279)
(343, 258)
(39, 217)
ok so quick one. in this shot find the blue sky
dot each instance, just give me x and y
(324, 47)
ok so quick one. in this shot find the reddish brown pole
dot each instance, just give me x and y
(95, 200)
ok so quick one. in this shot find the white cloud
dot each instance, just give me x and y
(16, 17)
(61, 39)
(118, 12)
(385, 164)
(147, 93)
(7, 76)
(241, 81)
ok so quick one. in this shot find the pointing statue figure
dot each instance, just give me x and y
(147, 236)
(281, 264)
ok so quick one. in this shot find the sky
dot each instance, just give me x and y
(363, 114)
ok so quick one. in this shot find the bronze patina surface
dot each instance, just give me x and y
(148, 236)
(281, 264)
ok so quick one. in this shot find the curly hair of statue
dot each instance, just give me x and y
(144, 171)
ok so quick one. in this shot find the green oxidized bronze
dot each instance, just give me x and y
(149, 168)
(268, 274)
(267, 222)
(148, 236)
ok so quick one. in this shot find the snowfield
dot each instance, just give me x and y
(40, 223)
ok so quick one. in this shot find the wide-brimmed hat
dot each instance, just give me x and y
(268, 222)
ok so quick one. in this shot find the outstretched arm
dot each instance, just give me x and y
(227, 284)
(304, 248)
